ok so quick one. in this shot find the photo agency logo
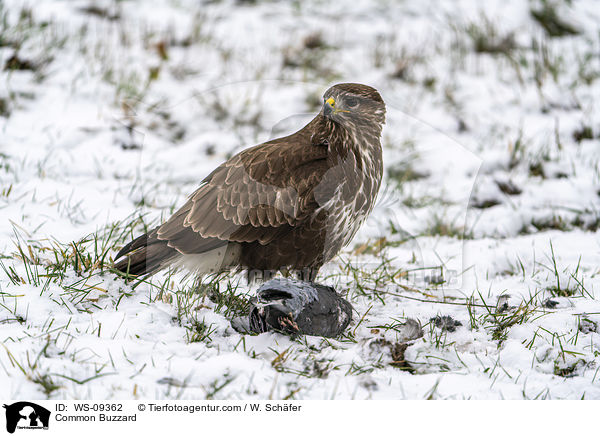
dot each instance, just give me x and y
(26, 416)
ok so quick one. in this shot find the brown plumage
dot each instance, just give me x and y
(288, 204)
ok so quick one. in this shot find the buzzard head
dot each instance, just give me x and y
(354, 105)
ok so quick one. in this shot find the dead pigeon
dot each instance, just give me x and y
(299, 308)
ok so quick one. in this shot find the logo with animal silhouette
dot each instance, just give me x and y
(26, 415)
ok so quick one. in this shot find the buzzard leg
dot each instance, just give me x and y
(257, 275)
(307, 274)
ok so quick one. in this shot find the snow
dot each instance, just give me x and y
(124, 117)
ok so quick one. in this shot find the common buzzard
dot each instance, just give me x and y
(287, 204)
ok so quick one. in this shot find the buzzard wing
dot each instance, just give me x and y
(258, 195)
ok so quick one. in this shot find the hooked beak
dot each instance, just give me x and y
(329, 106)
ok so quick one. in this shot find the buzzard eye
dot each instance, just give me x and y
(352, 102)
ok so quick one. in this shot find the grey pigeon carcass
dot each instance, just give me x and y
(299, 308)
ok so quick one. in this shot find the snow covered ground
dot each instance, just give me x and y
(111, 112)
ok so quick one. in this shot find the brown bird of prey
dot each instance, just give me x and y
(289, 204)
